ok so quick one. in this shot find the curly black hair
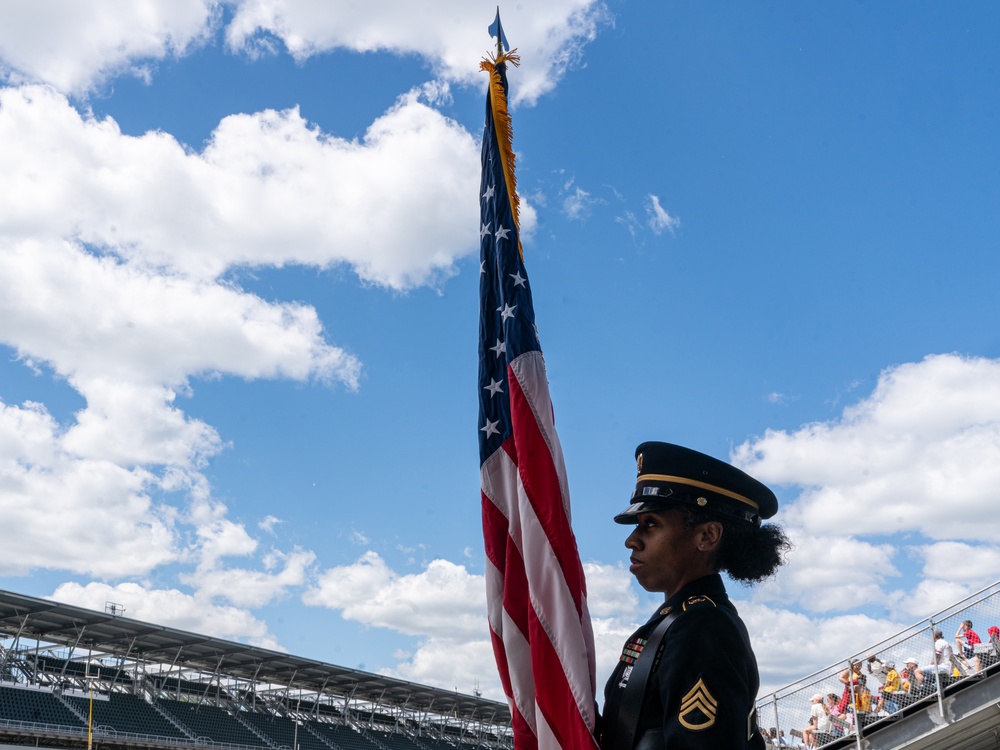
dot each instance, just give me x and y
(749, 554)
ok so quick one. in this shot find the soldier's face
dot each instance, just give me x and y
(664, 552)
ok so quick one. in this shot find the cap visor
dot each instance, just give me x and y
(631, 513)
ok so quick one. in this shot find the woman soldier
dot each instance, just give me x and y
(688, 677)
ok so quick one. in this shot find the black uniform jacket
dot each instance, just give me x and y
(702, 691)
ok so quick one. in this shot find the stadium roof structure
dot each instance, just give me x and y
(78, 628)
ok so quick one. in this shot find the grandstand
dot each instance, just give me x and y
(68, 672)
(149, 686)
(955, 707)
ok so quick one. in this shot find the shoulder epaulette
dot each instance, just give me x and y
(695, 600)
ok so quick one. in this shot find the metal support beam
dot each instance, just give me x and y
(72, 650)
(17, 639)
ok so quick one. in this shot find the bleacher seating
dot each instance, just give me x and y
(342, 736)
(309, 708)
(172, 686)
(35, 706)
(204, 720)
(396, 741)
(439, 744)
(54, 668)
(281, 731)
(127, 713)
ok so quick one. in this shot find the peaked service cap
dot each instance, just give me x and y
(671, 475)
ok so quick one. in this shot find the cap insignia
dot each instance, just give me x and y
(650, 490)
(638, 463)
(698, 708)
(702, 502)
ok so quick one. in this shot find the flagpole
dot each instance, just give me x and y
(536, 590)
(499, 36)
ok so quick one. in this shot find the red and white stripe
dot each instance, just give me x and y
(536, 592)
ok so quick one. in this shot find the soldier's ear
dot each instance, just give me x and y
(709, 535)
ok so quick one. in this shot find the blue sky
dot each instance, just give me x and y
(238, 314)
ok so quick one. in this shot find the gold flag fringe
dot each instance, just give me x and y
(504, 129)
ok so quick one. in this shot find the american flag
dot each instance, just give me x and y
(535, 587)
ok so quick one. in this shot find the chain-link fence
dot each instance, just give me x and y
(918, 665)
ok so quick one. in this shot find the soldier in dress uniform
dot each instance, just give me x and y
(688, 677)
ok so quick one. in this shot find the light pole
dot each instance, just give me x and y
(90, 718)
(295, 737)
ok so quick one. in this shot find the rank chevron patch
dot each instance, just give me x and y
(698, 708)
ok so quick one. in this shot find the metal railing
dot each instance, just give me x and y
(64, 730)
(870, 689)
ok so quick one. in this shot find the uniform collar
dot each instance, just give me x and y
(710, 586)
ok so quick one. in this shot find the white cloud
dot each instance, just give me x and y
(610, 592)
(951, 571)
(268, 524)
(105, 325)
(549, 37)
(630, 222)
(75, 46)
(814, 575)
(358, 537)
(253, 588)
(61, 511)
(446, 663)
(528, 218)
(578, 205)
(445, 607)
(790, 645)
(444, 599)
(172, 608)
(217, 536)
(99, 281)
(614, 612)
(117, 334)
(918, 456)
(921, 453)
(134, 425)
(929, 596)
(268, 189)
(976, 564)
(659, 219)
(72, 505)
